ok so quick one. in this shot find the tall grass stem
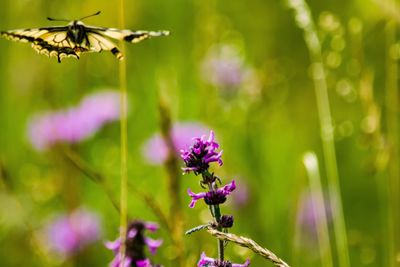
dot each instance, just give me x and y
(305, 22)
(124, 139)
(318, 207)
(392, 112)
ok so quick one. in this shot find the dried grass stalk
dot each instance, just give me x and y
(248, 243)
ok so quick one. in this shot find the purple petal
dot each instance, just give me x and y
(152, 227)
(205, 261)
(195, 197)
(227, 189)
(117, 262)
(113, 245)
(132, 233)
(247, 263)
(143, 263)
(153, 244)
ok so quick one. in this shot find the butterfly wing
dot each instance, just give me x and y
(97, 42)
(98, 38)
(50, 41)
(126, 35)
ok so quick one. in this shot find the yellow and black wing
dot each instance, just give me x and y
(50, 41)
(98, 38)
(126, 35)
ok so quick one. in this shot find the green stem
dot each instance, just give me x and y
(216, 213)
(124, 141)
(305, 22)
(393, 142)
(174, 184)
(318, 205)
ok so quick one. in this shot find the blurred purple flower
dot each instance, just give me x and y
(210, 262)
(155, 149)
(307, 215)
(198, 157)
(74, 124)
(136, 241)
(224, 67)
(241, 196)
(214, 197)
(70, 233)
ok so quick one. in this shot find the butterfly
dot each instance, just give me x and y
(76, 38)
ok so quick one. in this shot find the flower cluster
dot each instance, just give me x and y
(197, 160)
(210, 262)
(135, 243)
(74, 124)
(201, 154)
(69, 234)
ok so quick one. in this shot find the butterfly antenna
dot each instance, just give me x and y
(52, 19)
(95, 14)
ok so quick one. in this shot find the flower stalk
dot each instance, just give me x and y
(173, 179)
(197, 160)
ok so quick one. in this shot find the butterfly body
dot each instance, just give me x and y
(76, 38)
(76, 31)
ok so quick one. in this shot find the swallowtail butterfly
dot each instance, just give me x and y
(76, 38)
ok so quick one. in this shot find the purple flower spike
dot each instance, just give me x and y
(70, 233)
(201, 154)
(74, 124)
(136, 242)
(212, 197)
(210, 262)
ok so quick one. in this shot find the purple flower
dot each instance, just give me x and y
(311, 212)
(210, 262)
(74, 124)
(201, 154)
(155, 150)
(136, 241)
(223, 67)
(214, 197)
(241, 196)
(68, 234)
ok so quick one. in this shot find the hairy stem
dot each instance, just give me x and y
(216, 213)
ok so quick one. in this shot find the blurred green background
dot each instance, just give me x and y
(265, 123)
